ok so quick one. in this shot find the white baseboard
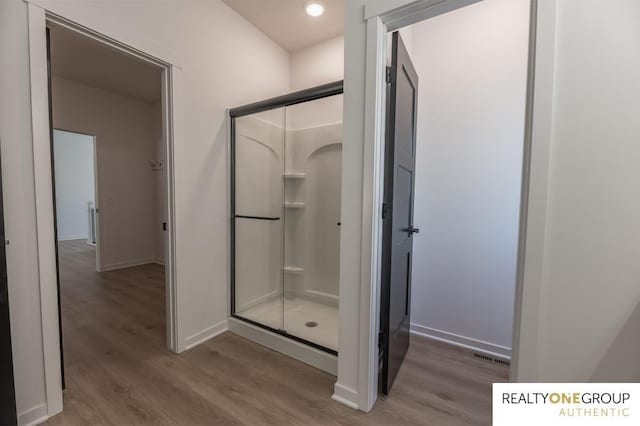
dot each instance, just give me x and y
(462, 341)
(206, 334)
(345, 395)
(159, 261)
(312, 356)
(73, 237)
(127, 264)
(33, 416)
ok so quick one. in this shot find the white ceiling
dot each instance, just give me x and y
(287, 23)
(82, 59)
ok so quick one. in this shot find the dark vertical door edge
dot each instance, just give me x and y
(397, 228)
(8, 414)
(55, 211)
(232, 200)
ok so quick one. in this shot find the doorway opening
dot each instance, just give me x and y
(453, 167)
(75, 188)
(110, 181)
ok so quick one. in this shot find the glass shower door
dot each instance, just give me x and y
(259, 166)
(312, 187)
(286, 164)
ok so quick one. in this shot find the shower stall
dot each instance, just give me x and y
(286, 155)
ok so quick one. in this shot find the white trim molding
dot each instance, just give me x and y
(172, 134)
(462, 341)
(33, 416)
(408, 12)
(206, 334)
(44, 209)
(346, 396)
(535, 189)
(94, 26)
(73, 237)
(372, 191)
(127, 264)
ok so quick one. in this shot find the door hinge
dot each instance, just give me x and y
(164, 226)
(386, 211)
(388, 75)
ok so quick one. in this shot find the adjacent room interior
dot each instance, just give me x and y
(471, 65)
(110, 190)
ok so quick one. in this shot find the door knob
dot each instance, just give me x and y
(411, 230)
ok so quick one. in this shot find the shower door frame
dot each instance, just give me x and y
(302, 96)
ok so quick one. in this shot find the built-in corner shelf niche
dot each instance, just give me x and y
(294, 175)
(294, 202)
(296, 270)
(294, 192)
(294, 205)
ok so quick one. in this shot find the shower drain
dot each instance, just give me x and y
(311, 324)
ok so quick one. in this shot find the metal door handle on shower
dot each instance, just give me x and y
(240, 216)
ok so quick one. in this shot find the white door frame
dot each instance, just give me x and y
(380, 18)
(96, 204)
(91, 25)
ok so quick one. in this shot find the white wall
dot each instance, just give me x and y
(471, 106)
(591, 285)
(318, 64)
(75, 183)
(215, 75)
(123, 128)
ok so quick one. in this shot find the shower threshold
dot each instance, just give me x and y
(279, 341)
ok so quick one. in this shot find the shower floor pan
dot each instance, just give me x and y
(298, 314)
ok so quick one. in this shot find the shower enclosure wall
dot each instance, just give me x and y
(286, 178)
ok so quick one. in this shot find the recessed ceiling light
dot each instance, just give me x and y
(314, 8)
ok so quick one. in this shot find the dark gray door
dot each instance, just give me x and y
(7, 390)
(398, 229)
(55, 210)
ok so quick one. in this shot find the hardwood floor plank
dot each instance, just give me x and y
(119, 371)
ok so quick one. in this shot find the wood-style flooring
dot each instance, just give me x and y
(119, 372)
